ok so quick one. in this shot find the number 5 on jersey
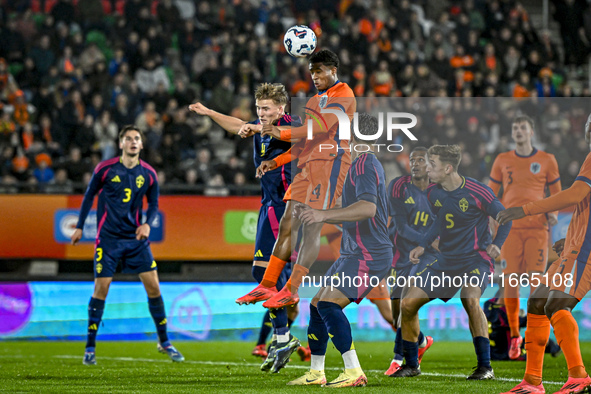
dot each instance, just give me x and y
(127, 192)
(449, 219)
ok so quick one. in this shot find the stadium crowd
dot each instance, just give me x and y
(72, 73)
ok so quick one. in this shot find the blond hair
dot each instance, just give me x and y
(272, 91)
(450, 154)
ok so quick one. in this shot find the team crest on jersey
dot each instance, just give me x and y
(99, 268)
(464, 205)
(535, 168)
(323, 101)
(139, 181)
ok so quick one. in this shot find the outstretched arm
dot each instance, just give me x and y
(93, 187)
(566, 198)
(228, 123)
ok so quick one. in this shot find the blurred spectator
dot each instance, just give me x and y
(43, 173)
(149, 76)
(105, 132)
(60, 184)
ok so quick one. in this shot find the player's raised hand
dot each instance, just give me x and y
(199, 108)
(76, 236)
(271, 130)
(415, 254)
(266, 166)
(510, 214)
(558, 246)
(311, 216)
(248, 130)
(493, 251)
(142, 232)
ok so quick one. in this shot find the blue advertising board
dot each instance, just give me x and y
(199, 311)
(65, 220)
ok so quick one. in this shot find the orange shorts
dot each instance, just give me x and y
(570, 276)
(525, 250)
(319, 184)
(381, 292)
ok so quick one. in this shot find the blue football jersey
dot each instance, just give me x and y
(121, 192)
(275, 183)
(462, 219)
(367, 239)
(411, 217)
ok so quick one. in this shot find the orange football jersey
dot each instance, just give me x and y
(524, 179)
(326, 126)
(578, 236)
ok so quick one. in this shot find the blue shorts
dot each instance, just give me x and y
(267, 231)
(135, 257)
(443, 277)
(401, 274)
(355, 278)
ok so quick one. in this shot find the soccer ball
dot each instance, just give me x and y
(300, 41)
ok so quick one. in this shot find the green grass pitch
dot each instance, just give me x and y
(228, 367)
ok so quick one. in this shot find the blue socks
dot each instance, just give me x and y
(317, 333)
(411, 353)
(258, 273)
(95, 314)
(482, 347)
(398, 349)
(159, 315)
(337, 325)
(265, 329)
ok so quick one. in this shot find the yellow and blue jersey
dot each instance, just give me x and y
(120, 198)
(366, 239)
(462, 219)
(275, 183)
(412, 218)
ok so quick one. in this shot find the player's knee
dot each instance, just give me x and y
(100, 292)
(408, 308)
(471, 305)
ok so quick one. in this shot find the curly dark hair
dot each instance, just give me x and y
(326, 57)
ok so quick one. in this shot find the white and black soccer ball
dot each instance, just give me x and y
(300, 41)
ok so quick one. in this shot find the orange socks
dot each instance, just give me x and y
(512, 306)
(536, 337)
(297, 275)
(273, 271)
(567, 334)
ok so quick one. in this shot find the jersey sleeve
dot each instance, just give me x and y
(398, 212)
(366, 183)
(496, 176)
(95, 184)
(553, 176)
(571, 196)
(491, 205)
(585, 172)
(152, 196)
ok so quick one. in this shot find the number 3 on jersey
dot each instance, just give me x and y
(127, 197)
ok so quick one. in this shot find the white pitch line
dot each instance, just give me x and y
(245, 364)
